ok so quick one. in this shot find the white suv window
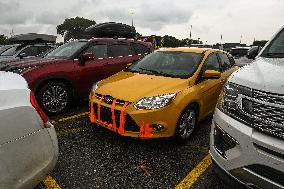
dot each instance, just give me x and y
(277, 45)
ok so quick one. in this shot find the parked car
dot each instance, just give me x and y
(247, 136)
(28, 142)
(238, 52)
(165, 94)
(20, 51)
(27, 45)
(69, 71)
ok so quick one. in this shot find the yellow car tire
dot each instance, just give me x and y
(186, 124)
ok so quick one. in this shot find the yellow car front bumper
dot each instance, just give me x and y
(128, 121)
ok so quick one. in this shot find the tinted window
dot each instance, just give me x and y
(212, 63)
(171, 64)
(225, 62)
(30, 51)
(119, 50)
(100, 51)
(42, 49)
(140, 49)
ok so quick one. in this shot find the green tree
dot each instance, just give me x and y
(170, 41)
(186, 42)
(74, 28)
(3, 39)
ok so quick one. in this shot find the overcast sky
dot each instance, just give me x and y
(250, 19)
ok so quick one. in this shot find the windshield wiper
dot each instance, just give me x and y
(151, 71)
(156, 72)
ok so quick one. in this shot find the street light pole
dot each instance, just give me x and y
(190, 31)
(132, 13)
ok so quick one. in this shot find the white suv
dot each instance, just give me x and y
(28, 142)
(247, 136)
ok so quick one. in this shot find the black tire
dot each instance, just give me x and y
(186, 124)
(48, 97)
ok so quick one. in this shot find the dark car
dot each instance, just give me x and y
(69, 71)
(27, 45)
(238, 52)
(24, 50)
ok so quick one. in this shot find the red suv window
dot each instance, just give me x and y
(116, 50)
(140, 49)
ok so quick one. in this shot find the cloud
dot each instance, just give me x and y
(152, 15)
(50, 17)
(11, 13)
(253, 19)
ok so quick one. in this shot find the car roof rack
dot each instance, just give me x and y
(32, 38)
(111, 30)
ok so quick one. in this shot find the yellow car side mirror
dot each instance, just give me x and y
(211, 74)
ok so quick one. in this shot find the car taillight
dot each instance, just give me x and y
(37, 108)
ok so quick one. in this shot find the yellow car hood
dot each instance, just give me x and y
(132, 87)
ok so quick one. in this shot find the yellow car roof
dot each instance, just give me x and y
(187, 49)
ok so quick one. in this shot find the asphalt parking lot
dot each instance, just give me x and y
(93, 157)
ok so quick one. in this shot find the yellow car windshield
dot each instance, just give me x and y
(171, 64)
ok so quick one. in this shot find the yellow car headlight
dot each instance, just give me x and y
(94, 88)
(155, 102)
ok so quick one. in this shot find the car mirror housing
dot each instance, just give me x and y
(22, 55)
(211, 74)
(253, 52)
(85, 57)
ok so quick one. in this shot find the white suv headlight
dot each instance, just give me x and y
(155, 102)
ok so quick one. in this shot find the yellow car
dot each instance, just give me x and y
(165, 94)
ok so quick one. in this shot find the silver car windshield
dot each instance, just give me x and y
(11, 51)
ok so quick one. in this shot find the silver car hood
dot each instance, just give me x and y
(265, 74)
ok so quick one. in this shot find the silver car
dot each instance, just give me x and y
(28, 142)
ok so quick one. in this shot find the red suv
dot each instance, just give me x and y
(69, 71)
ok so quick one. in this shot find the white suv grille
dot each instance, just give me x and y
(268, 113)
(268, 97)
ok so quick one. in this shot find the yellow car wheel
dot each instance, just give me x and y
(186, 124)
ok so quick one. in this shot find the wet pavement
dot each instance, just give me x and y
(93, 157)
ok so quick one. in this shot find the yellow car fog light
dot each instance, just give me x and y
(157, 127)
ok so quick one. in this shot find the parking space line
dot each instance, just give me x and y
(50, 183)
(193, 175)
(72, 117)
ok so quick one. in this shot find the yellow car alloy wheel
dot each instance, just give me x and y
(186, 123)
